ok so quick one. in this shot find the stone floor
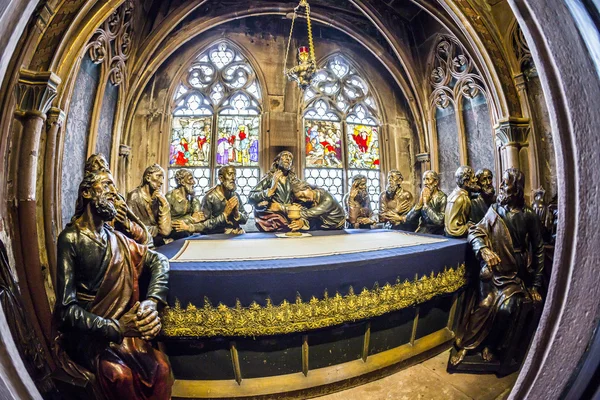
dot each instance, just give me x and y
(430, 381)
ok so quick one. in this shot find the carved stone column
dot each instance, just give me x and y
(54, 122)
(34, 92)
(124, 153)
(511, 136)
(425, 160)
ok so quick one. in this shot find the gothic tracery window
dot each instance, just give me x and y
(216, 120)
(341, 130)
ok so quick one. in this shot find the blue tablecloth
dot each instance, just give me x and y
(248, 281)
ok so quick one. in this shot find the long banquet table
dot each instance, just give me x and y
(345, 305)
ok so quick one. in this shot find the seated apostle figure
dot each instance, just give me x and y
(273, 194)
(149, 204)
(395, 202)
(509, 245)
(485, 197)
(431, 206)
(323, 211)
(358, 204)
(222, 206)
(457, 218)
(106, 326)
(186, 214)
(126, 221)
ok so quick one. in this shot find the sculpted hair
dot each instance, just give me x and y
(481, 172)
(462, 173)
(89, 180)
(299, 186)
(278, 157)
(180, 175)
(518, 179)
(435, 175)
(397, 173)
(90, 164)
(151, 170)
(357, 178)
(224, 169)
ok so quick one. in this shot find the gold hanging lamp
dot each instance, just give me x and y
(304, 72)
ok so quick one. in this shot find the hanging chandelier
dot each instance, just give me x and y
(304, 72)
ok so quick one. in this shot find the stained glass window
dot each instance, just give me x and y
(190, 142)
(341, 129)
(216, 119)
(237, 142)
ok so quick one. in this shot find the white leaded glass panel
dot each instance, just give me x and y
(327, 178)
(194, 104)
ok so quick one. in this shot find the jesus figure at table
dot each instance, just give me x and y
(273, 194)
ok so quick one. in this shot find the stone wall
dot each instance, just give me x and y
(479, 133)
(77, 133)
(448, 153)
(106, 122)
(543, 131)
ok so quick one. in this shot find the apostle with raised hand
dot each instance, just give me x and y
(125, 221)
(222, 206)
(149, 204)
(458, 207)
(431, 206)
(273, 194)
(395, 202)
(105, 325)
(358, 204)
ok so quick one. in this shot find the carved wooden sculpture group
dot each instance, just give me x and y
(106, 327)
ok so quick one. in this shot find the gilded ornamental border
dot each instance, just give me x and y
(256, 320)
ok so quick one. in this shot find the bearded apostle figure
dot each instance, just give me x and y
(149, 204)
(273, 194)
(222, 206)
(486, 195)
(509, 245)
(358, 204)
(395, 202)
(458, 207)
(431, 206)
(106, 326)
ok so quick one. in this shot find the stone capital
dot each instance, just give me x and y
(35, 91)
(55, 117)
(512, 132)
(423, 157)
(124, 150)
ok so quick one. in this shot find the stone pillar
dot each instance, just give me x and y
(34, 92)
(425, 160)
(54, 122)
(123, 168)
(511, 136)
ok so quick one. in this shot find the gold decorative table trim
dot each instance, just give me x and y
(256, 320)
